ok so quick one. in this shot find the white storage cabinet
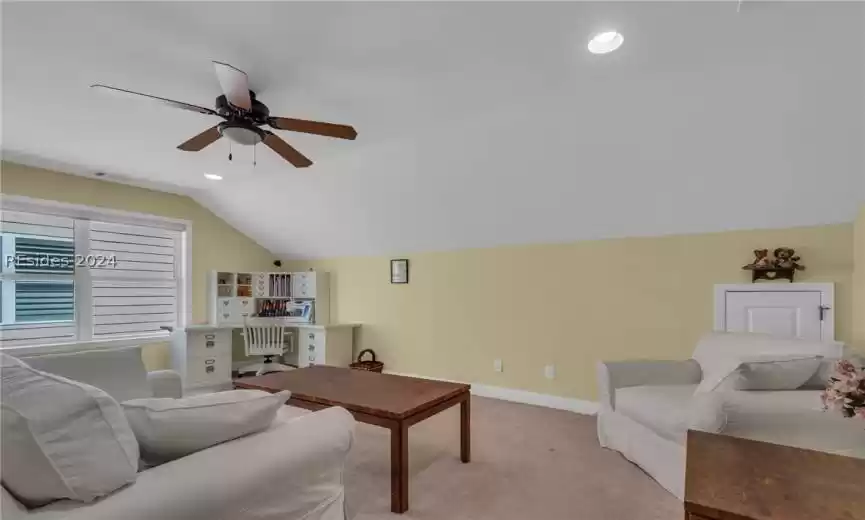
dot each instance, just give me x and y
(202, 356)
(325, 345)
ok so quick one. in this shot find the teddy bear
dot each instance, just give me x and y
(762, 260)
(785, 258)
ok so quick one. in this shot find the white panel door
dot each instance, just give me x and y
(783, 313)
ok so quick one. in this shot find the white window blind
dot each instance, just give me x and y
(135, 292)
(74, 278)
(37, 288)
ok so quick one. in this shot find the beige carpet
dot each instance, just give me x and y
(528, 463)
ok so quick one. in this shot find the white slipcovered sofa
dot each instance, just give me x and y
(293, 470)
(648, 406)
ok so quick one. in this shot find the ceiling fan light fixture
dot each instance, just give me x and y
(605, 42)
(241, 133)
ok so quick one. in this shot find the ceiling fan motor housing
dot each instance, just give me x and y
(241, 126)
(258, 114)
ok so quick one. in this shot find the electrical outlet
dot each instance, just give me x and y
(550, 371)
(497, 365)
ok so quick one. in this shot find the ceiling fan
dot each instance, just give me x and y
(244, 116)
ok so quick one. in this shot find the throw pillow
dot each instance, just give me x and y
(168, 428)
(821, 376)
(61, 438)
(721, 377)
(777, 373)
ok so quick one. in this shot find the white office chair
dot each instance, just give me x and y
(267, 341)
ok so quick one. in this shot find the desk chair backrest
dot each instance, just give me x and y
(264, 340)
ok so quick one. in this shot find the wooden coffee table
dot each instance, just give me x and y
(389, 401)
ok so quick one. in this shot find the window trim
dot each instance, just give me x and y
(80, 211)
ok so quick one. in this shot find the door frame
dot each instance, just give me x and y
(827, 299)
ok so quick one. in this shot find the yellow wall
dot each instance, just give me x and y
(215, 244)
(858, 338)
(563, 304)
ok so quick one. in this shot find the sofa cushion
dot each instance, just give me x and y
(119, 372)
(793, 418)
(670, 410)
(287, 413)
(171, 428)
(61, 438)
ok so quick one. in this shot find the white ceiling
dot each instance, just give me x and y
(479, 123)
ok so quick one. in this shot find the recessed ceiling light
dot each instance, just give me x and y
(605, 42)
(212, 177)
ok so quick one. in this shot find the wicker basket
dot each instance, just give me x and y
(368, 365)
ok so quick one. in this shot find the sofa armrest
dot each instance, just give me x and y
(291, 471)
(165, 383)
(622, 374)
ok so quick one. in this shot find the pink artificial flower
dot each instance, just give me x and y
(845, 391)
(845, 368)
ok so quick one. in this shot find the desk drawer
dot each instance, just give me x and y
(207, 371)
(209, 344)
(311, 348)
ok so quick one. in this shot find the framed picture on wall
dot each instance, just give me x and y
(399, 270)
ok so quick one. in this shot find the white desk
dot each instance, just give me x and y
(202, 354)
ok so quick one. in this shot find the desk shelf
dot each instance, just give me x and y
(235, 296)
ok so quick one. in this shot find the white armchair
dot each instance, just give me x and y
(648, 406)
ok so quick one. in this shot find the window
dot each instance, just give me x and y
(75, 274)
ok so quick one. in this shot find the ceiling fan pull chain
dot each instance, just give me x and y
(254, 148)
(229, 150)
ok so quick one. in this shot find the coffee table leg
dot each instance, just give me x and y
(466, 429)
(399, 468)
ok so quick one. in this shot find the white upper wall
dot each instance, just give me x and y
(479, 123)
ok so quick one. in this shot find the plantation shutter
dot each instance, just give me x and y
(134, 279)
(37, 290)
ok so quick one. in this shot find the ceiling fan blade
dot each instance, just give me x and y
(201, 140)
(313, 127)
(234, 83)
(286, 150)
(169, 102)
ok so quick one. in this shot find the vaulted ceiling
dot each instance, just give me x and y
(479, 123)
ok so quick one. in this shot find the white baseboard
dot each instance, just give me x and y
(524, 396)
